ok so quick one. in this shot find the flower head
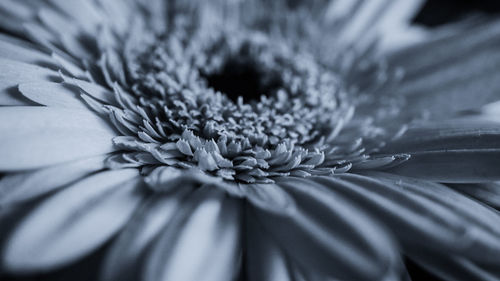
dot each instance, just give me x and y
(214, 140)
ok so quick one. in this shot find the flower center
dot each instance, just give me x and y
(242, 76)
(188, 90)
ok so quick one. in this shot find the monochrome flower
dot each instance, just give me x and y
(261, 140)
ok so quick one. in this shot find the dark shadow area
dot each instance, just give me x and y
(439, 12)
(417, 273)
(243, 78)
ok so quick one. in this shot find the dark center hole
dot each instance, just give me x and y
(243, 78)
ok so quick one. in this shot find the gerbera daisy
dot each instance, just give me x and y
(252, 140)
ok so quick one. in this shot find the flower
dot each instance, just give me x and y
(214, 140)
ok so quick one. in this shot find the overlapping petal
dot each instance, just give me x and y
(53, 94)
(264, 258)
(24, 186)
(201, 242)
(457, 150)
(488, 193)
(51, 235)
(325, 229)
(122, 260)
(14, 73)
(424, 213)
(34, 137)
(441, 74)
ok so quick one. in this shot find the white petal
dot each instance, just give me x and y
(467, 208)
(265, 260)
(201, 243)
(73, 222)
(441, 219)
(327, 229)
(268, 197)
(93, 90)
(19, 9)
(459, 150)
(123, 259)
(34, 137)
(67, 63)
(399, 13)
(469, 132)
(361, 21)
(39, 34)
(40, 119)
(23, 51)
(14, 73)
(85, 13)
(31, 151)
(453, 166)
(13, 13)
(19, 187)
(53, 94)
(340, 8)
(488, 193)
(394, 25)
(443, 51)
(440, 76)
(119, 12)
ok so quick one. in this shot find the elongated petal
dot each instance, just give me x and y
(420, 219)
(22, 186)
(14, 12)
(446, 97)
(327, 229)
(488, 193)
(361, 21)
(268, 197)
(119, 12)
(31, 151)
(202, 241)
(399, 14)
(469, 209)
(453, 166)
(456, 150)
(19, 50)
(34, 137)
(394, 25)
(73, 222)
(14, 73)
(122, 260)
(265, 260)
(85, 13)
(40, 119)
(464, 133)
(67, 33)
(441, 75)
(443, 51)
(93, 90)
(53, 94)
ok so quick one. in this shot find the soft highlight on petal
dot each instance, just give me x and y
(202, 242)
(122, 262)
(51, 236)
(34, 137)
(23, 186)
(319, 232)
